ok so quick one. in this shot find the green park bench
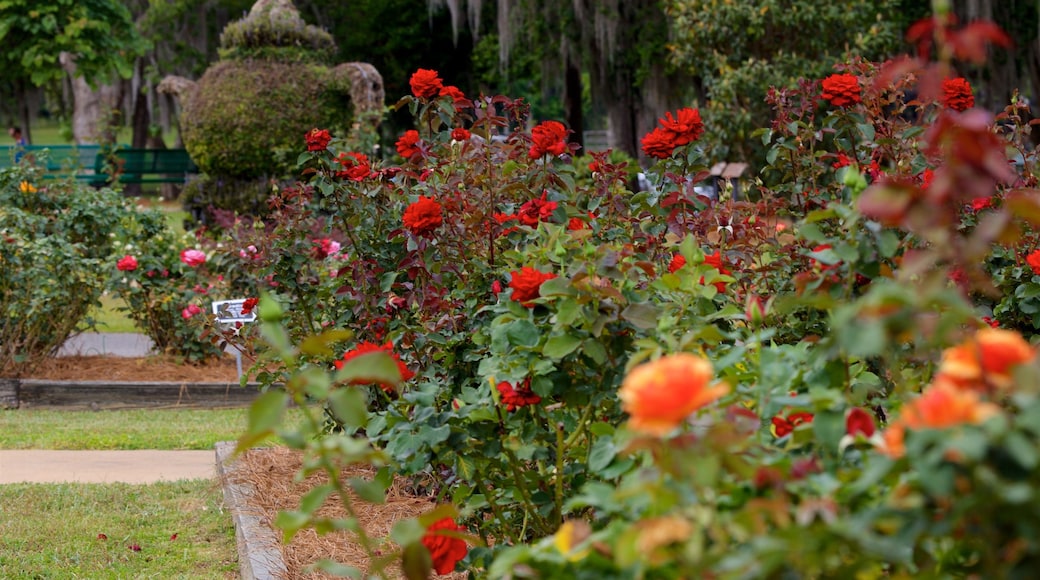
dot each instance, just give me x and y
(144, 166)
(57, 161)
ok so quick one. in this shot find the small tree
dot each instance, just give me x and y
(99, 33)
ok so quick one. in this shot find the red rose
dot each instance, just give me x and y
(981, 203)
(456, 95)
(525, 284)
(678, 261)
(426, 84)
(536, 210)
(445, 551)
(423, 216)
(659, 143)
(367, 347)
(460, 134)
(408, 144)
(957, 94)
(519, 396)
(127, 263)
(841, 90)
(785, 426)
(715, 261)
(843, 161)
(249, 305)
(354, 166)
(575, 224)
(318, 139)
(1033, 259)
(686, 127)
(548, 137)
(859, 421)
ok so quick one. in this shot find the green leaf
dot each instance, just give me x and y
(291, 522)
(595, 350)
(409, 531)
(319, 344)
(416, 562)
(336, 569)
(522, 333)
(558, 286)
(1022, 450)
(315, 498)
(266, 411)
(348, 404)
(642, 315)
(602, 453)
(560, 346)
(371, 367)
(370, 491)
(269, 309)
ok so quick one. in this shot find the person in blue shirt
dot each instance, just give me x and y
(19, 142)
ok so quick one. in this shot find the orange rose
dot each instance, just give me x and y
(986, 361)
(941, 406)
(660, 394)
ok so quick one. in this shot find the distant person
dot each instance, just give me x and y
(16, 134)
(19, 142)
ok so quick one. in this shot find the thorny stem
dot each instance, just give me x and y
(560, 448)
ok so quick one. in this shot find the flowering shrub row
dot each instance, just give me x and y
(54, 249)
(591, 380)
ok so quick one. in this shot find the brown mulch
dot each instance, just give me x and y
(272, 474)
(147, 369)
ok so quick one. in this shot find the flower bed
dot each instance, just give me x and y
(594, 381)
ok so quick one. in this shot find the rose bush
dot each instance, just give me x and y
(797, 382)
(54, 247)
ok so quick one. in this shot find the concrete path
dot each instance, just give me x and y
(144, 466)
(49, 466)
(107, 343)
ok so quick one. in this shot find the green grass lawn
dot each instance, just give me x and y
(123, 429)
(48, 132)
(164, 530)
(108, 318)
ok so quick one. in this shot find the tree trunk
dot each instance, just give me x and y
(572, 104)
(23, 100)
(141, 118)
(95, 111)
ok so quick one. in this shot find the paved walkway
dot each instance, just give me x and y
(48, 466)
(145, 466)
(107, 343)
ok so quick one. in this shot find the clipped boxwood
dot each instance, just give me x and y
(246, 112)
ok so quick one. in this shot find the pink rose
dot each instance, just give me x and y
(193, 257)
(127, 263)
(190, 311)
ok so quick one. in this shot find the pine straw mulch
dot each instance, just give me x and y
(272, 471)
(127, 369)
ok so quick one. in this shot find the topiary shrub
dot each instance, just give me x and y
(245, 112)
(245, 119)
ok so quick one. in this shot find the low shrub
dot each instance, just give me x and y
(56, 239)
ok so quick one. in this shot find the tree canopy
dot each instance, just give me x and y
(101, 35)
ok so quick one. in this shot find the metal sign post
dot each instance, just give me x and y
(229, 313)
